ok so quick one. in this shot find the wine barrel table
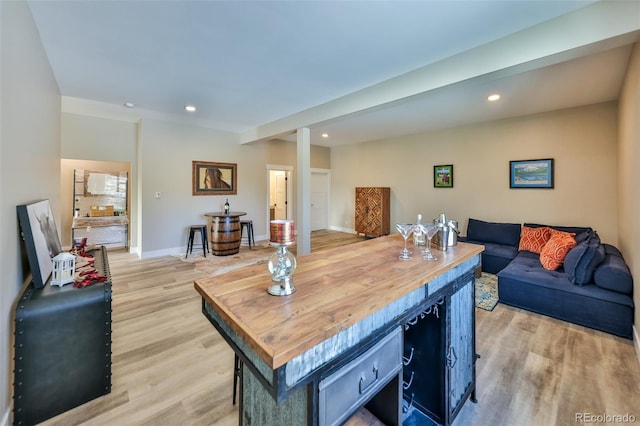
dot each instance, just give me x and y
(225, 232)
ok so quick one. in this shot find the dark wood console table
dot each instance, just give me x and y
(363, 328)
(62, 346)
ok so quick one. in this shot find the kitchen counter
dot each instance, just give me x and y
(345, 296)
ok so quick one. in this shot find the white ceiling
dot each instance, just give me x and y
(249, 66)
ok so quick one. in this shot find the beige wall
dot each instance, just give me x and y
(29, 158)
(582, 141)
(629, 175)
(101, 139)
(161, 155)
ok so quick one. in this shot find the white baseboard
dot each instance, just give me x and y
(174, 250)
(163, 252)
(636, 342)
(347, 230)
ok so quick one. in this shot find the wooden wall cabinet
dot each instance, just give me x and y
(372, 211)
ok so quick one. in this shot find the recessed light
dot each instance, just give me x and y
(493, 98)
(129, 104)
(190, 108)
(325, 135)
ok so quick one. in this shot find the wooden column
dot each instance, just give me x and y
(303, 179)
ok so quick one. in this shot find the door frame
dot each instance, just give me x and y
(288, 172)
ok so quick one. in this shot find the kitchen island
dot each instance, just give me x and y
(363, 328)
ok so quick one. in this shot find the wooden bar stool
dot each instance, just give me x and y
(202, 229)
(249, 225)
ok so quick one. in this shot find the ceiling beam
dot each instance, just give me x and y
(597, 27)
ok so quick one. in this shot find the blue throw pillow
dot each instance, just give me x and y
(609, 249)
(581, 261)
(613, 274)
(493, 232)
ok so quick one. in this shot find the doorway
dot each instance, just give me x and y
(280, 190)
(320, 184)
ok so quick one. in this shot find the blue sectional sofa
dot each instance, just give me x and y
(593, 287)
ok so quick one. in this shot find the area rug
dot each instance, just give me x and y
(487, 291)
(216, 265)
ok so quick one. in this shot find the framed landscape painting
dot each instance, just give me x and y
(531, 173)
(214, 178)
(443, 176)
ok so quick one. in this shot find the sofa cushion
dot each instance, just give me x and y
(613, 274)
(581, 232)
(495, 256)
(526, 284)
(609, 249)
(533, 239)
(582, 260)
(556, 249)
(492, 232)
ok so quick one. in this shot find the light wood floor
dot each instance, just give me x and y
(170, 366)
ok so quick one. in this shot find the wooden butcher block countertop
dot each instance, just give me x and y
(335, 289)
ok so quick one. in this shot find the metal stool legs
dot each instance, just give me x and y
(202, 229)
(237, 368)
(249, 225)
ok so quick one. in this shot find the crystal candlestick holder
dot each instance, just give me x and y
(282, 263)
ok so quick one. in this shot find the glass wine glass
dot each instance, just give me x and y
(429, 230)
(405, 229)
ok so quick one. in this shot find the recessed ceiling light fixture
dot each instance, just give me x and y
(129, 104)
(493, 98)
(190, 108)
(325, 135)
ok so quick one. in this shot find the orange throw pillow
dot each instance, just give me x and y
(555, 232)
(554, 252)
(534, 239)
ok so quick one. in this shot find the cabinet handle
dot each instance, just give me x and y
(452, 358)
(407, 385)
(406, 360)
(367, 386)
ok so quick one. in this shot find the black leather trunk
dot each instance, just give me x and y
(62, 349)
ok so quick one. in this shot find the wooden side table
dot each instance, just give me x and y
(225, 232)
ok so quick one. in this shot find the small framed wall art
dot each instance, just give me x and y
(214, 178)
(443, 176)
(531, 173)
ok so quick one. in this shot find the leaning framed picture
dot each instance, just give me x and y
(41, 239)
(443, 176)
(214, 178)
(531, 173)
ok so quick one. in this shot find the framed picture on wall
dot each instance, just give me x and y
(214, 178)
(443, 176)
(41, 239)
(531, 173)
